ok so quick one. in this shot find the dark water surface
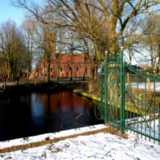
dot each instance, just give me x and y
(37, 113)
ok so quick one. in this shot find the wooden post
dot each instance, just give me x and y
(18, 80)
(35, 81)
(4, 83)
(35, 76)
(27, 72)
(8, 74)
(18, 71)
(148, 81)
(43, 72)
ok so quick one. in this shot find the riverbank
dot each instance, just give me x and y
(95, 97)
(83, 92)
(81, 145)
(48, 138)
(52, 86)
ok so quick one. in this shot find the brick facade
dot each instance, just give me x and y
(64, 70)
(65, 63)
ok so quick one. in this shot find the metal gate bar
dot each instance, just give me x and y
(123, 103)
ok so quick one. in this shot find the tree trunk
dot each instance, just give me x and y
(4, 83)
(27, 73)
(9, 67)
(8, 74)
(90, 81)
(58, 66)
(112, 87)
(43, 71)
(159, 58)
(12, 77)
(90, 74)
(112, 36)
(35, 81)
(84, 68)
(95, 73)
(18, 71)
(48, 71)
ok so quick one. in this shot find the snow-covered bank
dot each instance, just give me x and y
(96, 146)
(38, 138)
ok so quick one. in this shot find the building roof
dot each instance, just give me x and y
(66, 58)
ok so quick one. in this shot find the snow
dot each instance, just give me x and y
(150, 128)
(141, 85)
(96, 146)
(20, 141)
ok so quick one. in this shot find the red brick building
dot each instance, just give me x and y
(78, 64)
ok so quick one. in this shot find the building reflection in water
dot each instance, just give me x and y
(56, 103)
(30, 114)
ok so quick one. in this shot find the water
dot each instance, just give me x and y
(31, 114)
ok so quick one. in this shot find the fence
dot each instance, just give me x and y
(129, 103)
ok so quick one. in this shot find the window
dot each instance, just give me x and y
(86, 70)
(61, 69)
(77, 68)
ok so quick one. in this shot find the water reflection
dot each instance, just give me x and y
(57, 103)
(36, 113)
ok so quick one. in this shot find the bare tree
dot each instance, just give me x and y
(104, 22)
(29, 41)
(151, 42)
(60, 48)
(43, 37)
(12, 47)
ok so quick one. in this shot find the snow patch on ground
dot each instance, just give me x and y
(141, 85)
(20, 141)
(95, 146)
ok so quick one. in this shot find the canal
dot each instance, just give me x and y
(28, 114)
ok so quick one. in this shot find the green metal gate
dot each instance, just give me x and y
(124, 103)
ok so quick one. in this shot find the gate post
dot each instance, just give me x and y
(102, 94)
(122, 92)
(106, 87)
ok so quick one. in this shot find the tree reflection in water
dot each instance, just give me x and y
(37, 113)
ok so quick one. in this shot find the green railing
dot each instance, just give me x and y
(129, 103)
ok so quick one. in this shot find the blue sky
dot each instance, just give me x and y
(9, 12)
